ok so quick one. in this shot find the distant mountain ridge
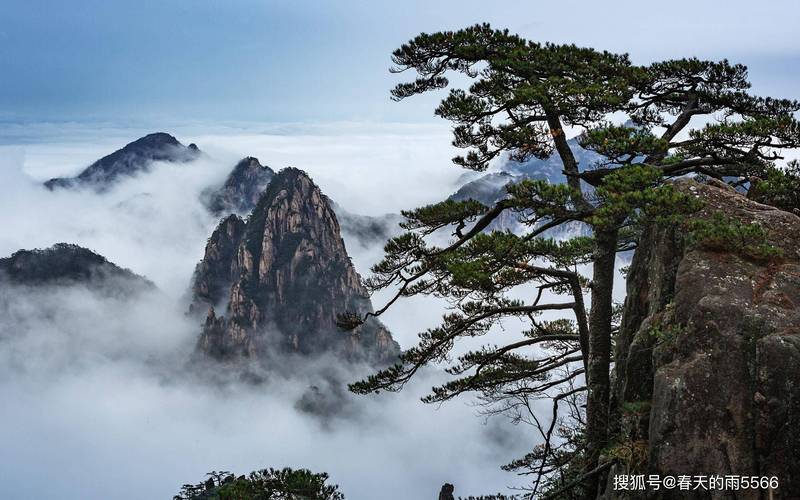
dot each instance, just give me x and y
(491, 187)
(130, 160)
(368, 229)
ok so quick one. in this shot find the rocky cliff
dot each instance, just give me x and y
(64, 264)
(242, 188)
(134, 158)
(708, 354)
(219, 268)
(282, 277)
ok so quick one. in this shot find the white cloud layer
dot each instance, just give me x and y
(95, 403)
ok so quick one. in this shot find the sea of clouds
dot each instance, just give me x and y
(97, 398)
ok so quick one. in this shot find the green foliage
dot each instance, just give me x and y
(663, 328)
(266, 484)
(545, 199)
(636, 407)
(555, 328)
(521, 97)
(518, 77)
(712, 83)
(722, 233)
(779, 187)
(637, 192)
(665, 334)
(629, 448)
(622, 145)
(438, 215)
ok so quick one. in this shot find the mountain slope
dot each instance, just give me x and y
(134, 158)
(66, 264)
(289, 278)
(242, 188)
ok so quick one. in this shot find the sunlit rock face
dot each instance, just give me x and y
(286, 275)
(242, 188)
(134, 158)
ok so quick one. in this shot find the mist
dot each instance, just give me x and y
(99, 399)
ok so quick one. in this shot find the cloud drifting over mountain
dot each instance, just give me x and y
(99, 403)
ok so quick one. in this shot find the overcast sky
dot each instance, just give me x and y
(151, 62)
(235, 76)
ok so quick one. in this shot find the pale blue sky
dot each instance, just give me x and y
(283, 61)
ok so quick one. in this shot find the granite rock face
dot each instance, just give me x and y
(219, 268)
(708, 355)
(132, 159)
(242, 188)
(285, 282)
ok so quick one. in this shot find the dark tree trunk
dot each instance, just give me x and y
(599, 351)
(571, 167)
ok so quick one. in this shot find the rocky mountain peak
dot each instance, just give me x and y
(242, 188)
(154, 140)
(290, 277)
(134, 158)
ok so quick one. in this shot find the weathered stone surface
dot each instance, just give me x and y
(723, 333)
(219, 268)
(291, 277)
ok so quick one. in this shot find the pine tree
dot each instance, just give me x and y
(266, 484)
(680, 117)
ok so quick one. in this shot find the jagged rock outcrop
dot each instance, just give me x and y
(219, 268)
(132, 159)
(242, 188)
(287, 280)
(708, 354)
(64, 264)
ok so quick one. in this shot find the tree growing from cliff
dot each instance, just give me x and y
(680, 117)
